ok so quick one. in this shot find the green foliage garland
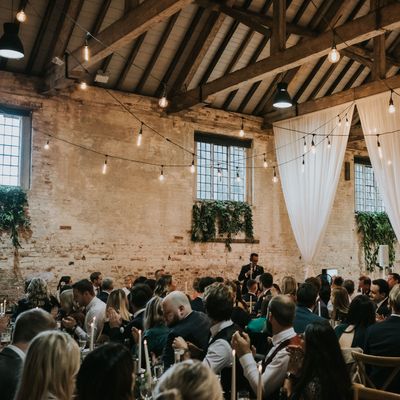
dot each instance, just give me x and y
(13, 213)
(231, 217)
(375, 229)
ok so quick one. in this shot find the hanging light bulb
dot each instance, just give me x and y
(305, 145)
(303, 165)
(334, 55)
(105, 166)
(21, 16)
(392, 108)
(329, 142)
(47, 145)
(192, 167)
(237, 175)
(275, 178)
(219, 171)
(163, 102)
(83, 85)
(265, 162)
(339, 124)
(313, 148)
(161, 177)
(347, 122)
(378, 143)
(86, 51)
(241, 132)
(140, 134)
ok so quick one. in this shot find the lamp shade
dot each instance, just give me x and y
(10, 44)
(282, 98)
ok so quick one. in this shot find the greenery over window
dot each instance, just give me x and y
(375, 229)
(228, 218)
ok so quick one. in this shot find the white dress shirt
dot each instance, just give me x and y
(219, 353)
(96, 308)
(17, 350)
(275, 372)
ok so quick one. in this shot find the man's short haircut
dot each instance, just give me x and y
(365, 280)
(151, 283)
(338, 281)
(348, 284)
(383, 286)
(140, 295)
(250, 283)
(307, 294)
(94, 276)
(314, 281)
(218, 301)
(394, 299)
(253, 255)
(84, 285)
(395, 276)
(107, 284)
(30, 323)
(204, 282)
(139, 280)
(266, 279)
(283, 309)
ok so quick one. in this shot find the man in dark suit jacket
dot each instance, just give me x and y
(306, 297)
(27, 326)
(106, 288)
(250, 271)
(192, 326)
(382, 339)
(198, 303)
(379, 295)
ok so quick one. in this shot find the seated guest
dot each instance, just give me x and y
(240, 315)
(266, 282)
(64, 281)
(51, 364)
(382, 339)
(348, 284)
(192, 326)
(340, 304)
(281, 315)
(289, 287)
(320, 372)
(128, 282)
(151, 283)
(94, 307)
(337, 282)
(320, 307)
(164, 286)
(106, 373)
(361, 315)
(106, 288)
(259, 324)
(393, 279)
(139, 280)
(69, 307)
(364, 284)
(198, 303)
(379, 295)
(188, 380)
(306, 298)
(36, 296)
(96, 278)
(252, 288)
(27, 326)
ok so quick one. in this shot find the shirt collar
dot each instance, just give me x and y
(219, 326)
(282, 336)
(395, 315)
(92, 303)
(138, 312)
(381, 302)
(17, 350)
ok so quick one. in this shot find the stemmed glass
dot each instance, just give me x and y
(82, 344)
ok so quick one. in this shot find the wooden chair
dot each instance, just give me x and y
(384, 362)
(362, 393)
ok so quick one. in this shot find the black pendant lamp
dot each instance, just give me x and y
(282, 98)
(10, 44)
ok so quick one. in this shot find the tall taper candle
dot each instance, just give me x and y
(140, 350)
(92, 328)
(148, 370)
(319, 307)
(233, 379)
(259, 386)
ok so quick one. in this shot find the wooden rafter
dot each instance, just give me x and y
(278, 37)
(339, 78)
(379, 64)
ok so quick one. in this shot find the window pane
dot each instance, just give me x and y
(367, 196)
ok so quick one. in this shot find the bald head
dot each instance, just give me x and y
(283, 310)
(176, 306)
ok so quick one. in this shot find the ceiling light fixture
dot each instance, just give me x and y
(282, 98)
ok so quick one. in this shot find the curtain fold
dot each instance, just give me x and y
(309, 190)
(376, 120)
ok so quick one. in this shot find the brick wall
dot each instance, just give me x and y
(127, 221)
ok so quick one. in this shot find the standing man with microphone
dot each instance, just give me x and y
(250, 271)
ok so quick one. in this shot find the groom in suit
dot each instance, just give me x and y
(250, 271)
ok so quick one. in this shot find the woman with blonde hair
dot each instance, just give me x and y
(188, 380)
(50, 367)
(69, 308)
(289, 286)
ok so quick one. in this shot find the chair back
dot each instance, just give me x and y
(376, 361)
(363, 393)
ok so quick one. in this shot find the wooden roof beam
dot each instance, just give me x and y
(356, 31)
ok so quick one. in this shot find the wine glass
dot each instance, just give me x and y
(82, 344)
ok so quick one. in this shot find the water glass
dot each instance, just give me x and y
(158, 370)
(178, 353)
(82, 344)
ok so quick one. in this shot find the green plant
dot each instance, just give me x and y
(230, 217)
(375, 229)
(14, 218)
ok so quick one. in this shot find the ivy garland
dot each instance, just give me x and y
(230, 217)
(375, 229)
(14, 218)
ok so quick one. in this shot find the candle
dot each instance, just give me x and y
(259, 386)
(1, 309)
(92, 328)
(140, 350)
(233, 380)
(251, 305)
(319, 307)
(148, 370)
(5, 306)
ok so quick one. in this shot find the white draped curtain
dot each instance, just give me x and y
(376, 120)
(309, 190)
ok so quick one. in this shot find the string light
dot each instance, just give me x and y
(305, 145)
(83, 85)
(105, 166)
(347, 122)
(161, 177)
(303, 165)
(219, 171)
(329, 142)
(378, 143)
(21, 16)
(265, 161)
(86, 51)
(237, 175)
(339, 122)
(140, 134)
(241, 132)
(334, 55)
(163, 102)
(47, 145)
(392, 108)
(275, 178)
(192, 167)
(313, 148)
